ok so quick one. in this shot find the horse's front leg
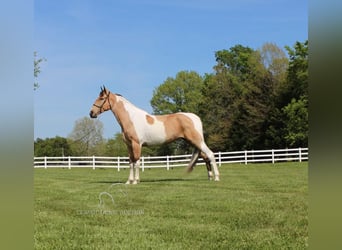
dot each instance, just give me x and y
(137, 174)
(134, 154)
(131, 174)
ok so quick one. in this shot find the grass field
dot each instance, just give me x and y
(256, 206)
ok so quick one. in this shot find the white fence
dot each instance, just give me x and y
(244, 157)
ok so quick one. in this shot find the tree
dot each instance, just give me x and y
(217, 108)
(276, 63)
(36, 64)
(254, 106)
(283, 127)
(296, 111)
(223, 91)
(274, 129)
(116, 146)
(241, 95)
(238, 97)
(246, 103)
(86, 135)
(57, 146)
(296, 128)
(181, 93)
(297, 76)
(235, 60)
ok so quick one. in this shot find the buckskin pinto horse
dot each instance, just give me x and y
(140, 128)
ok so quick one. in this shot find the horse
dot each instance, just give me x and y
(140, 128)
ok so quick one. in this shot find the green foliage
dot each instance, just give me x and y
(297, 77)
(276, 63)
(179, 94)
(291, 117)
(242, 103)
(57, 146)
(274, 129)
(239, 96)
(116, 146)
(36, 70)
(217, 108)
(258, 206)
(296, 128)
(253, 107)
(235, 60)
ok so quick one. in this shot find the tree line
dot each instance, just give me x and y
(253, 99)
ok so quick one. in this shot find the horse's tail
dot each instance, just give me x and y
(193, 160)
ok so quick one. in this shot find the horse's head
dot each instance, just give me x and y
(101, 104)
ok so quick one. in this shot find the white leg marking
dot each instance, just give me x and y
(211, 157)
(137, 177)
(210, 175)
(131, 174)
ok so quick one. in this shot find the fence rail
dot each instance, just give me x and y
(244, 157)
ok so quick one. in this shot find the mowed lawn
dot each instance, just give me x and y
(255, 206)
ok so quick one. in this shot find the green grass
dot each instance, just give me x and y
(256, 206)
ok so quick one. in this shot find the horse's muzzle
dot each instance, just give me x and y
(92, 114)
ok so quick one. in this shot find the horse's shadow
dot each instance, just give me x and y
(150, 181)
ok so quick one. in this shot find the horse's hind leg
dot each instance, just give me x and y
(196, 139)
(207, 163)
(210, 155)
(193, 160)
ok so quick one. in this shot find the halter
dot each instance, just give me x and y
(101, 106)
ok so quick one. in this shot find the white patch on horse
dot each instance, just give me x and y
(148, 134)
(197, 122)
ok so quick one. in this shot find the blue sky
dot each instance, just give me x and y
(132, 46)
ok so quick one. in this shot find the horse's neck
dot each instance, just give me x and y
(130, 107)
(124, 110)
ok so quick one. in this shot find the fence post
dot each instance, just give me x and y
(219, 158)
(245, 157)
(167, 163)
(69, 162)
(300, 154)
(273, 156)
(287, 154)
(143, 163)
(118, 164)
(45, 163)
(93, 162)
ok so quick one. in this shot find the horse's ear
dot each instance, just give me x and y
(101, 89)
(104, 88)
